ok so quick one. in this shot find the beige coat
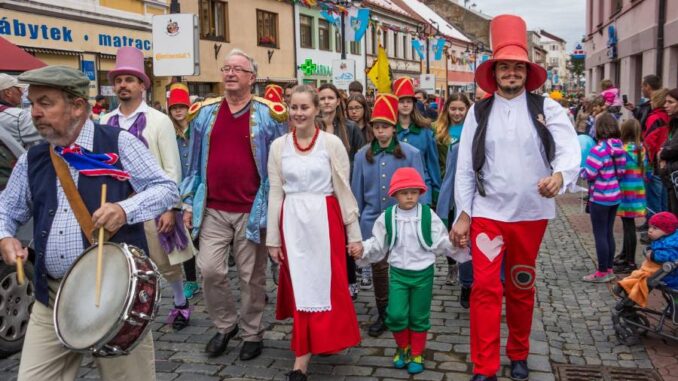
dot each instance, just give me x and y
(340, 182)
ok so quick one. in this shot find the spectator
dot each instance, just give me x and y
(100, 107)
(612, 97)
(650, 84)
(668, 155)
(288, 90)
(355, 88)
(13, 119)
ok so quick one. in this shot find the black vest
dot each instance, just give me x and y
(42, 181)
(482, 109)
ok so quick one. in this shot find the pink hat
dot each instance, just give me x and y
(509, 43)
(406, 178)
(129, 60)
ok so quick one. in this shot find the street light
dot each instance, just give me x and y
(347, 4)
(477, 47)
(428, 48)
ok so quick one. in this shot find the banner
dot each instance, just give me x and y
(358, 21)
(380, 73)
(418, 47)
(439, 49)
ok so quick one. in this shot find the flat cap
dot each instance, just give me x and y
(70, 80)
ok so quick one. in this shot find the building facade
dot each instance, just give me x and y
(555, 60)
(628, 39)
(318, 49)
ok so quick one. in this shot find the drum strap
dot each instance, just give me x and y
(73, 196)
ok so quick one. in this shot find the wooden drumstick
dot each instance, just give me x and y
(100, 250)
(20, 271)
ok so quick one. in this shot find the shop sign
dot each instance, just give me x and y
(88, 69)
(40, 31)
(427, 82)
(343, 73)
(176, 40)
(310, 68)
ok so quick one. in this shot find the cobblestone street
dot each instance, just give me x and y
(572, 325)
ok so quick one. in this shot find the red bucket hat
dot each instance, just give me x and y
(274, 93)
(509, 43)
(178, 95)
(406, 178)
(385, 109)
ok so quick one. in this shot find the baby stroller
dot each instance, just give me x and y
(631, 321)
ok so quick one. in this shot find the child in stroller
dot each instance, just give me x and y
(630, 315)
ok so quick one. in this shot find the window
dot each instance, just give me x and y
(267, 29)
(373, 32)
(355, 47)
(616, 6)
(395, 45)
(323, 35)
(384, 35)
(214, 20)
(405, 46)
(337, 39)
(306, 31)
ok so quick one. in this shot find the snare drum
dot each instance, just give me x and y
(130, 297)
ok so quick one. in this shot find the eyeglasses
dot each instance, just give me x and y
(235, 69)
(355, 108)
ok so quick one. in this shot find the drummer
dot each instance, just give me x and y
(95, 155)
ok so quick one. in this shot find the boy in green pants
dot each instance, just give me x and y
(412, 235)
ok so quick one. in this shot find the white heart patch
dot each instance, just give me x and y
(489, 248)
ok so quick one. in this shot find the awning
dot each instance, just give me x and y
(57, 52)
(16, 59)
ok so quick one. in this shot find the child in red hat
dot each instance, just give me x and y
(412, 235)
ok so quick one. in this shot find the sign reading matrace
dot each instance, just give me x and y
(175, 45)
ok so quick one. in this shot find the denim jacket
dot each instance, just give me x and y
(268, 121)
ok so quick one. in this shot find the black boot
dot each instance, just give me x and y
(465, 299)
(379, 326)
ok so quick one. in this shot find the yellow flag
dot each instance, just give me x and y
(380, 73)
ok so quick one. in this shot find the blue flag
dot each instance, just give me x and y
(359, 20)
(418, 47)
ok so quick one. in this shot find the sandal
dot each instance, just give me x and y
(179, 317)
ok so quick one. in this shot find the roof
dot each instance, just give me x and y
(16, 59)
(546, 36)
(389, 5)
(435, 20)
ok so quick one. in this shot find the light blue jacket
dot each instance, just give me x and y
(263, 130)
(446, 197)
(424, 140)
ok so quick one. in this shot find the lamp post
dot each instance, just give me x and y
(476, 47)
(347, 4)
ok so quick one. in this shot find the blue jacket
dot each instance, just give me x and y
(424, 140)
(370, 182)
(445, 204)
(665, 249)
(267, 122)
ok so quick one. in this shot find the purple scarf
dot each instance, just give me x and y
(137, 128)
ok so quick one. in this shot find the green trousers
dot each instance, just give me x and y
(409, 299)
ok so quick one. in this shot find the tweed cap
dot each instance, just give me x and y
(70, 80)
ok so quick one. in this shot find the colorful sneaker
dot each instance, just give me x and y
(597, 277)
(416, 365)
(365, 283)
(401, 358)
(190, 289)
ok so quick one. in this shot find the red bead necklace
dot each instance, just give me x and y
(308, 148)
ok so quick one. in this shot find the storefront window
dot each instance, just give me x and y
(214, 20)
(355, 47)
(306, 31)
(323, 35)
(267, 29)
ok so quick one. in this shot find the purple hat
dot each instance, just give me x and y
(130, 61)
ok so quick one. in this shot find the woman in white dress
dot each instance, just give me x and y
(311, 213)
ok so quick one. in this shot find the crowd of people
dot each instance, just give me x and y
(339, 193)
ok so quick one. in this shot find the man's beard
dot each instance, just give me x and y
(511, 90)
(61, 140)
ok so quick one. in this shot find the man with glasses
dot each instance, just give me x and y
(13, 119)
(226, 200)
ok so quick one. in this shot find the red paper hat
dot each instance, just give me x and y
(509, 43)
(403, 87)
(406, 178)
(385, 109)
(178, 95)
(274, 93)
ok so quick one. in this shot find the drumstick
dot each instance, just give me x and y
(20, 271)
(100, 250)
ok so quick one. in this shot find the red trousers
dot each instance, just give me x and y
(516, 244)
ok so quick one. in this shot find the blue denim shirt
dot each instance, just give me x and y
(263, 130)
(184, 144)
(446, 197)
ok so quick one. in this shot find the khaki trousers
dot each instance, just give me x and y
(220, 229)
(44, 357)
(171, 273)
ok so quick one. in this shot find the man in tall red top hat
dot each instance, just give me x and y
(518, 150)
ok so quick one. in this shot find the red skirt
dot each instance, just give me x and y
(322, 332)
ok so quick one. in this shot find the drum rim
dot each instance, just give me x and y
(125, 312)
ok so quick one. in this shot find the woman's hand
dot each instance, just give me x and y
(276, 254)
(355, 249)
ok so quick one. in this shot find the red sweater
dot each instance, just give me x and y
(232, 177)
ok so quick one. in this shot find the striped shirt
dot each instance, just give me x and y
(603, 172)
(632, 185)
(155, 193)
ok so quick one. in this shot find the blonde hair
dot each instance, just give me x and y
(442, 124)
(606, 84)
(659, 98)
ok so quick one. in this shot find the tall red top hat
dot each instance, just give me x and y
(385, 109)
(509, 43)
(274, 93)
(403, 87)
(406, 178)
(178, 95)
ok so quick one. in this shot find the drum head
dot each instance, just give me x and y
(79, 321)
